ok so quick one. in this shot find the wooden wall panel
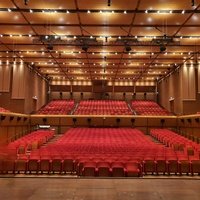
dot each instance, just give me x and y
(185, 83)
(198, 75)
(5, 74)
(18, 82)
(3, 135)
(191, 82)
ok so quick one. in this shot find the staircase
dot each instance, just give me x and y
(129, 106)
(52, 140)
(74, 109)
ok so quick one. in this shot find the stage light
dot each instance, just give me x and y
(85, 48)
(26, 2)
(162, 47)
(128, 48)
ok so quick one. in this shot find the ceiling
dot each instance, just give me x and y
(89, 40)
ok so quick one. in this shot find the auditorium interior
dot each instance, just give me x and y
(99, 99)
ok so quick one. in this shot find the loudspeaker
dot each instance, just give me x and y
(189, 120)
(132, 120)
(74, 121)
(11, 118)
(44, 120)
(18, 118)
(197, 120)
(89, 121)
(3, 117)
(162, 121)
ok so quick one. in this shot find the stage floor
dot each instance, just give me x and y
(65, 188)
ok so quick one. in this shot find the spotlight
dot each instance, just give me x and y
(50, 47)
(85, 48)
(109, 2)
(26, 2)
(192, 3)
(162, 47)
(128, 48)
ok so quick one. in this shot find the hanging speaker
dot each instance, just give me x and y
(11, 118)
(3, 117)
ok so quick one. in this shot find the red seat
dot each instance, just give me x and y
(103, 169)
(195, 167)
(133, 169)
(89, 169)
(118, 169)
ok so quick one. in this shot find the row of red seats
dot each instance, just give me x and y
(31, 141)
(91, 166)
(104, 152)
(58, 107)
(145, 107)
(176, 141)
(102, 107)
(89, 148)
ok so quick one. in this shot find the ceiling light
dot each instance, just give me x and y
(9, 10)
(125, 12)
(85, 48)
(88, 11)
(26, 2)
(183, 12)
(50, 47)
(162, 47)
(192, 3)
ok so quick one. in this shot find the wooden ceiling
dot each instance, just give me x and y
(89, 40)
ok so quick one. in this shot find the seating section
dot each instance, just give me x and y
(187, 163)
(32, 141)
(175, 141)
(105, 152)
(13, 157)
(148, 108)
(3, 110)
(102, 107)
(60, 107)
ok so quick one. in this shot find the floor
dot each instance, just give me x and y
(48, 188)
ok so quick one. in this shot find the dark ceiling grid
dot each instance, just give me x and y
(81, 28)
(189, 57)
(53, 58)
(128, 34)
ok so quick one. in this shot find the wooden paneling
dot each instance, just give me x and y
(198, 71)
(5, 74)
(18, 81)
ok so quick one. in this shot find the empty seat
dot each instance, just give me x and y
(89, 169)
(103, 169)
(161, 165)
(195, 167)
(133, 169)
(118, 169)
